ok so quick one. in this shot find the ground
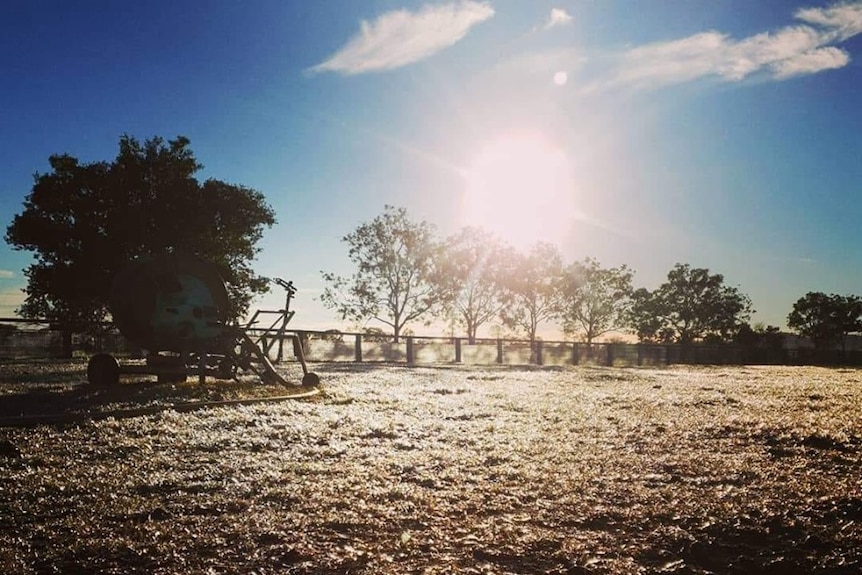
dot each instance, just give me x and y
(440, 470)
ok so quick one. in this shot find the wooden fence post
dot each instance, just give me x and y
(411, 359)
(457, 350)
(539, 352)
(358, 348)
(499, 351)
(640, 354)
(576, 354)
(610, 355)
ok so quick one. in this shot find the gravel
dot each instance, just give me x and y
(442, 469)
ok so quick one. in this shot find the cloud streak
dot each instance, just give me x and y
(401, 37)
(558, 17)
(7, 275)
(797, 50)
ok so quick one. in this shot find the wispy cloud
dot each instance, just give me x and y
(401, 37)
(558, 17)
(811, 62)
(845, 20)
(791, 51)
(7, 274)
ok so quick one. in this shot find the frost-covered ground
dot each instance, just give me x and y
(444, 470)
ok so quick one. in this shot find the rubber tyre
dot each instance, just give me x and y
(310, 379)
(103, 370)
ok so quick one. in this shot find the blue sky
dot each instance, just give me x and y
(724, 134)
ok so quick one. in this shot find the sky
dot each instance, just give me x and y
(725, 134)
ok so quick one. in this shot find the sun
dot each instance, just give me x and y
(520, 188)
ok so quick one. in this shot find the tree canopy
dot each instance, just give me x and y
(531, 286)
(84, 221)
(826, 319)
(395, 281)
(691, 305)
(474, 266)
(594, 300)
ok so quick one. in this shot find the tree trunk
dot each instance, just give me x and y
(66, 342)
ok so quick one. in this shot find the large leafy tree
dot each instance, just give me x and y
(84, 221)
(594, 300)
(396, 279)
(646, 318)
(691, 305)
(826, 319)
(473, 268)
(532, 285)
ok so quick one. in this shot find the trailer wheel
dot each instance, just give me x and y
(103, 370)
(310, 379)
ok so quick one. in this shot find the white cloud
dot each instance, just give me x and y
(401, 37)
(810, 62)
(7, 274)
(672, 62)
(845, 20)
(790, 51)
(558, 17)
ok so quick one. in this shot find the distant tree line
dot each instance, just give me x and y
(85, 221)
(405, 273)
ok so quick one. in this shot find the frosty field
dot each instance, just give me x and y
(441, 470)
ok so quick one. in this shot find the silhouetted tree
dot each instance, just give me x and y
(691, 305)
(645, 318)
(473, 266)
(759, 336)
(532, 289)
(396, 272)
(826, 319)
(594, 300)
(84, 221)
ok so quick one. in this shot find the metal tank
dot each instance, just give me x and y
(175, 307)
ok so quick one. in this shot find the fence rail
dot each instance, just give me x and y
(47, 341)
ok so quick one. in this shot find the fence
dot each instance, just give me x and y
(417, 350)
(45, 341)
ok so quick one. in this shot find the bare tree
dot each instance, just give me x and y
(531, 285)
(594, 300)
(396, 275)
(473, 267)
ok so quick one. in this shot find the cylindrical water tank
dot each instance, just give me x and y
(170, 302)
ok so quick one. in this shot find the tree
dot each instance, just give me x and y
(396, 279)
(645, 318)
(826, 319)
(531, 289)
(594, 300)
(691, 305)
(472, 269)
(85, 221)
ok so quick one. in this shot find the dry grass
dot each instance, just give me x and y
(442, 470)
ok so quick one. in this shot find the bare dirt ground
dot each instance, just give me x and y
(441, 470)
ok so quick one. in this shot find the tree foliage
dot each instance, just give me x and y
(396, 279)
(691, 305)
(826, 319)
(531, 289)
(473, 268)
(594, 300)
(84, 221)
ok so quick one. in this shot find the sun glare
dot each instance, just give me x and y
(520, 188)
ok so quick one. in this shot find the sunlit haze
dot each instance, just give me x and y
(725, 135)
(521, 188)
